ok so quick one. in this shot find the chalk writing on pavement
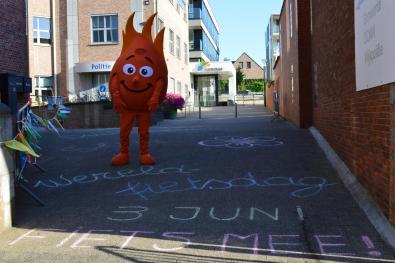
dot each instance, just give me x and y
(329, 245)
(63, 181)
(297, 187)
(242, 142)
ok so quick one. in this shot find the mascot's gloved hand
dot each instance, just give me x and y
(153, 103)
(118, 104)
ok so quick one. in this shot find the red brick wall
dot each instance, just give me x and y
(356, 124)
(294, 71)
(304, 47)
(289, 94)
(275, 86)
(269, 96)
(61, 41)
(13, 40)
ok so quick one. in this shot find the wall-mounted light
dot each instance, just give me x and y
(146, 2)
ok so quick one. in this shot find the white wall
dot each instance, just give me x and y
(7, 170)
(177, 68)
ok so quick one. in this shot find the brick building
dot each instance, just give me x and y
(316, 79)
(13, 41)
(249, 67)
(294, 70)
(73, 44)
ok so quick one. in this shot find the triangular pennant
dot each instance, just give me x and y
(52, 126)
(23, 140)
(15, 145)
(36, 134)
(58, 122)
(22, 163)
(50, 102)
(29, 135)
(34, 118)
(59, 101)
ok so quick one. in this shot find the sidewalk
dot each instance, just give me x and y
(248, 111)
(223, 190)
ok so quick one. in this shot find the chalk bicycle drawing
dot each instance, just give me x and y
(242, 142)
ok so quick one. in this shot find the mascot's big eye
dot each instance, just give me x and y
(129, 69)
(146, 72)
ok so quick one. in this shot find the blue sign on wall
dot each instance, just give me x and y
(102, 88)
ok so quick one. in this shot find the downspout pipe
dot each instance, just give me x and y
(54, 49)
(27, 35)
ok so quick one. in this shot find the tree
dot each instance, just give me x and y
(226, 59)
(254, 85)
(239, 79)
(223, 86)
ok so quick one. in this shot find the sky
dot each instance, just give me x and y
(243, 25)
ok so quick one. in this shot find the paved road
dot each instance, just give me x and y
(224, 190)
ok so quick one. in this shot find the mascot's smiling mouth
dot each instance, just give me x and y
(136, 91)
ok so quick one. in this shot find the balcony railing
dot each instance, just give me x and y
(203, 14)
(194, 13)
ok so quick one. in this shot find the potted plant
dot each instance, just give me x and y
(171, 104)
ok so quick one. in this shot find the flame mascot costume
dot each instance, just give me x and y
(138, 85)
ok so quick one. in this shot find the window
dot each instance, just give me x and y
(248, 64)
(186, 92)
(105, 29)
(159, 25)
(171, 41)
(191, 39)
(241, 64)
(42, 30)
(173, 85)
(179, 88)
(178, 47)
(276, 48)
(185, 53)
(44, 86)
(276, 26)
(99, 80)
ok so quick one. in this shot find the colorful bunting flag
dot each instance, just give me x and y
(14, 144)
(53, 127)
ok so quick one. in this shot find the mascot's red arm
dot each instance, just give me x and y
(118, 104)
(153, 103)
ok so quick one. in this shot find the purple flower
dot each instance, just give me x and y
(173, 101)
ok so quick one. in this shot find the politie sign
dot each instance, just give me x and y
(374, 43)
(101, 66)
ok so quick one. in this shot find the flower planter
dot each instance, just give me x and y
(170, 114)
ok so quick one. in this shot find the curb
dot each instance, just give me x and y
(358, 192)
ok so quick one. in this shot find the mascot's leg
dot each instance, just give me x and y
(144, 120)
(126, 125)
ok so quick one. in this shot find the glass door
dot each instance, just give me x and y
(206, 88)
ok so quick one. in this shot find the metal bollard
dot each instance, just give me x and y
(235, 109)
(200, 111)
(200, 107)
